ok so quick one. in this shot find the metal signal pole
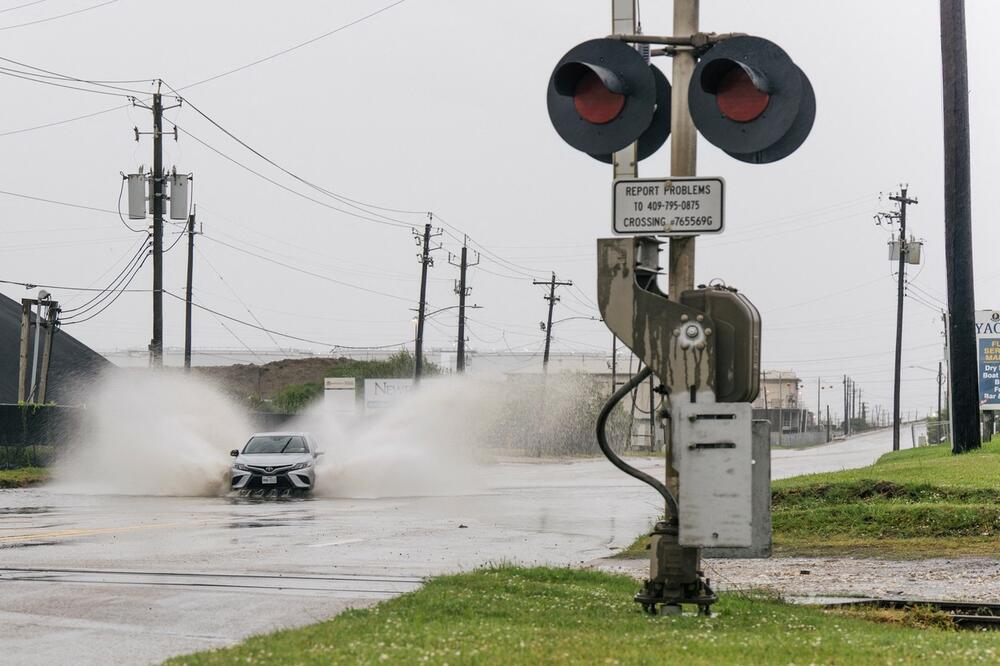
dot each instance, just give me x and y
(552, 299)
(462, 292)
(683, 141)
(426, 260)
(962, 376)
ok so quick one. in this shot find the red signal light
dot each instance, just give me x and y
(738, 98)
(594, 102)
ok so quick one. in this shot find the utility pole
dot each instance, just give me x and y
(963, 370)
(552, 299)
(898, 215)
(33, 387)
(156, 345)
(819, 381)
(854, 401)
(614, 363)
(157, 202)
(187, 293)
(22, 366)
(846, 423)
(51, 325)
(940, 381)
(426, 260)
(462, 292)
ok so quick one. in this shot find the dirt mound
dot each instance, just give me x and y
(264, 381)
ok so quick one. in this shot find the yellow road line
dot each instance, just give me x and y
(81, 532)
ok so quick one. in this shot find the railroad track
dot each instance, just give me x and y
(965, 614)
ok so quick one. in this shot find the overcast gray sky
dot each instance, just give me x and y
(439, 105)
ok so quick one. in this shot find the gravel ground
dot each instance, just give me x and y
(957, 579)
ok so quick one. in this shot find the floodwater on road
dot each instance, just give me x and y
(87, 578)
(132, 579)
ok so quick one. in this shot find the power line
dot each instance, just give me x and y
(825, 296)
(48, 77)
(65, 121)
(112, 301)
(233, 291)
(342, 199)
(58, 203)
(114, 282)
(296, 46)
(306, 272)
(27, 4)
(98, 82)
(285, 335)
(196, 83)
(54, 18)
(33, 285)
(288, 189)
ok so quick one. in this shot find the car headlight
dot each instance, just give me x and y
(242, 467)
(301, 465)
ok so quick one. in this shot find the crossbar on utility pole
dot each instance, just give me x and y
(462, 290)
(426, 260)
(552, 299)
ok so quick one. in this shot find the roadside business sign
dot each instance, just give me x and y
(668, 206)
(339, 396)
(383, 393)
(988, 344)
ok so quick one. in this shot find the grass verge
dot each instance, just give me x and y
(511, 615)
(914, 503)
(23, 476)
(922, 502)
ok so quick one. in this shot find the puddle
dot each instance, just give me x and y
(23, 510)
(30, 544)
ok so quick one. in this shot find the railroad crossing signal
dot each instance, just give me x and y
(746, 96)
(603, 96)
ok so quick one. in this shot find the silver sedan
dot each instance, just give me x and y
(278, 460)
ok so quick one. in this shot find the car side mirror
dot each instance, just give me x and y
(320, 453)
(234, 452)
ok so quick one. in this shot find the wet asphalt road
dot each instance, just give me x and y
(88, 579)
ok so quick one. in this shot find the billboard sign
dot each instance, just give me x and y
(988, 345)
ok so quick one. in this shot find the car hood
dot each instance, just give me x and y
(273, 459)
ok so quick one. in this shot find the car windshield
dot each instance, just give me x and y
(276, 444)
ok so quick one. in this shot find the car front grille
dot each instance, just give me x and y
(270, 471)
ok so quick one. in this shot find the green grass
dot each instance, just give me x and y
(23, 476)
(922, 502)
(511, 615)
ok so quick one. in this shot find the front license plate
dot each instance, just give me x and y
(268, 479)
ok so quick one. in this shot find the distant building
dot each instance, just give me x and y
(779, 389)
(779, 402)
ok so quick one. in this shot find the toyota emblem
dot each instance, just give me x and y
(268, 469)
